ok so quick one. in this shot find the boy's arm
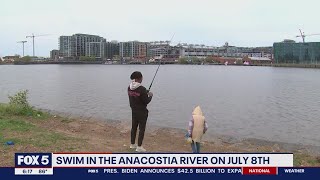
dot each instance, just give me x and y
(144, 96)
(190, 127)
(205, 128)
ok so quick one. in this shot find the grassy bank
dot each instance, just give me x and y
(32, 130)
(24, 127)
(35, 131)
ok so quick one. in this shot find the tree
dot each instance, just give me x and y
(196, 60)
(216, 60)
(24, 59)
(116, 58)
(87, 58)
(183, 61)
(208, 59)
(239, 61)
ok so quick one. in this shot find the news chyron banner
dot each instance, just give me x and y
(120, 165)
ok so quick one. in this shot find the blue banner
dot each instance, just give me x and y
(33, 160)
(162, 173)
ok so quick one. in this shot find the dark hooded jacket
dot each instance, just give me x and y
(138, 96)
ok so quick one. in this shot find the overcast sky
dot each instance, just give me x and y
(212, 22)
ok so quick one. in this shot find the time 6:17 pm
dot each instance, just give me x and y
(27, 171)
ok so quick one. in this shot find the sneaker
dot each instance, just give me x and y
(140, 149)
(133, 146)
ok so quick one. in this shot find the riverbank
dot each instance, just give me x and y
(36, 131)
(297, 65)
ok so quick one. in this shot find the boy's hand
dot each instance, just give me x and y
(150, 94)
(188, 135)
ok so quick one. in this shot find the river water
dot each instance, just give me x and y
(274, 104)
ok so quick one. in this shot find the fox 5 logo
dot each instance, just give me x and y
(33, 160)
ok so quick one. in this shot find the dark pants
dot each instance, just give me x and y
(195, 147)
(139, 118)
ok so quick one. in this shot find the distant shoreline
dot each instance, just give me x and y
(167, 63)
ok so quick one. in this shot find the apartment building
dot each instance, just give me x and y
(75, 46)
(133, 50)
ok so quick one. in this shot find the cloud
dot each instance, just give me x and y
(213, 22)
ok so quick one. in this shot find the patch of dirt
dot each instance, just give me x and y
(113, 136)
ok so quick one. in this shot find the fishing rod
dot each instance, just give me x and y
(160, 63)
(154, 75)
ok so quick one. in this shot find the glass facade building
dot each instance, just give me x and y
(297, 53)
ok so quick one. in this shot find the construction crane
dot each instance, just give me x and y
(33, 36)
(22, 46)
(304, 36)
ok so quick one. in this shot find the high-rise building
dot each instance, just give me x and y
(111, 49)
(75, 46)
(133, 50)
(66, 47)
(102, 50)
(81, 40)
(96, 49)
(297, 53)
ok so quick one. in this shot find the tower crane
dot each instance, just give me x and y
(33, 36)
(22, 46)
(304, 36)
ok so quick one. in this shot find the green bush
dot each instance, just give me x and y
(18, 105)
(19, 99)
(209, 59)
(196, 60)
(87, 58)
(183, 61)
(16, 110)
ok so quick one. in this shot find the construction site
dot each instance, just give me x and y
(87, 47)
(291, 52)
